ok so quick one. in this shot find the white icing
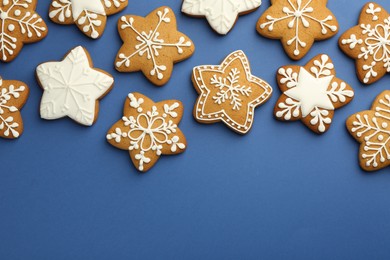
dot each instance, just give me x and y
(299, 15)
(312, 93)
(373, 45)
(150, 44)
(376, 144)
(7, 96)
(71, 87)
(95, 6)
(221, 14)
(230, 92)
(30, 25)
(83, 12)
(148, 131)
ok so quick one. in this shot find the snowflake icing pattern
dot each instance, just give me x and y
(89, 15)
(18, 17)
(146, 132)
(311, 93)
(12, 98)
(300, 16)
(229, 89)
(372, 129)
(150, 44)
(372, 49)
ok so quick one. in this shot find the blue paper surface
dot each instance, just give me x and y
(280, 192)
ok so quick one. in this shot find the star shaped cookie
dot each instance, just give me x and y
(221, 14)
(148, 130)
(72, 87)
(311, 93)
(369, 44)
(90, 16)
(229, 93)
(13, 96)
(371, 128)
(297, 24)
(152, 45)
(19, 24)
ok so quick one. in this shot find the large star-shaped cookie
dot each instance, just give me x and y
(90, 16)
(221, 14)
(371, 128)
(229, 93)
(311, 93)
(148, 130)
(297, 23)
(72, 87)
(152, 44)
(369, 43)
(13, 96)
(19, 24)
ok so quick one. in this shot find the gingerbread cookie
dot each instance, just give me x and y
(19, 24)
(368, 43)
(13, 96)
(221, 14)
(372, 129)
(229, 93)
(311, 93)
(73, 87)
(152, 45)
(298, 23)
(148, 130)
(90, 16)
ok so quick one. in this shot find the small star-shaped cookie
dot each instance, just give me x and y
(19, 24)
(369, 44)
(13, 96)
(72, 87)
(371, 128)
(221, 14)
(298, 23)
(148, 130)
(311, 93)
(229, 93)
(90, 16)
(152, 45)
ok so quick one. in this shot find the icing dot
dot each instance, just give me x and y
(385, 125)
(17, 12)
(11, 27)
(380, 137)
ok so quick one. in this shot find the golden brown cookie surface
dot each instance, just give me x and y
(229, 93)
(311, 93)
(148, 130)
(90, 16)
(368, 43)
(152, 45)
(13, 96)
(371, 128)
(19, 24)
(297, 24)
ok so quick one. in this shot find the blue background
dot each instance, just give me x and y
(280, 192)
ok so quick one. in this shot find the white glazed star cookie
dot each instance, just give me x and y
(19, 24)
(311, 93)
(89, 15)
(72, 87)
(221, 14)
